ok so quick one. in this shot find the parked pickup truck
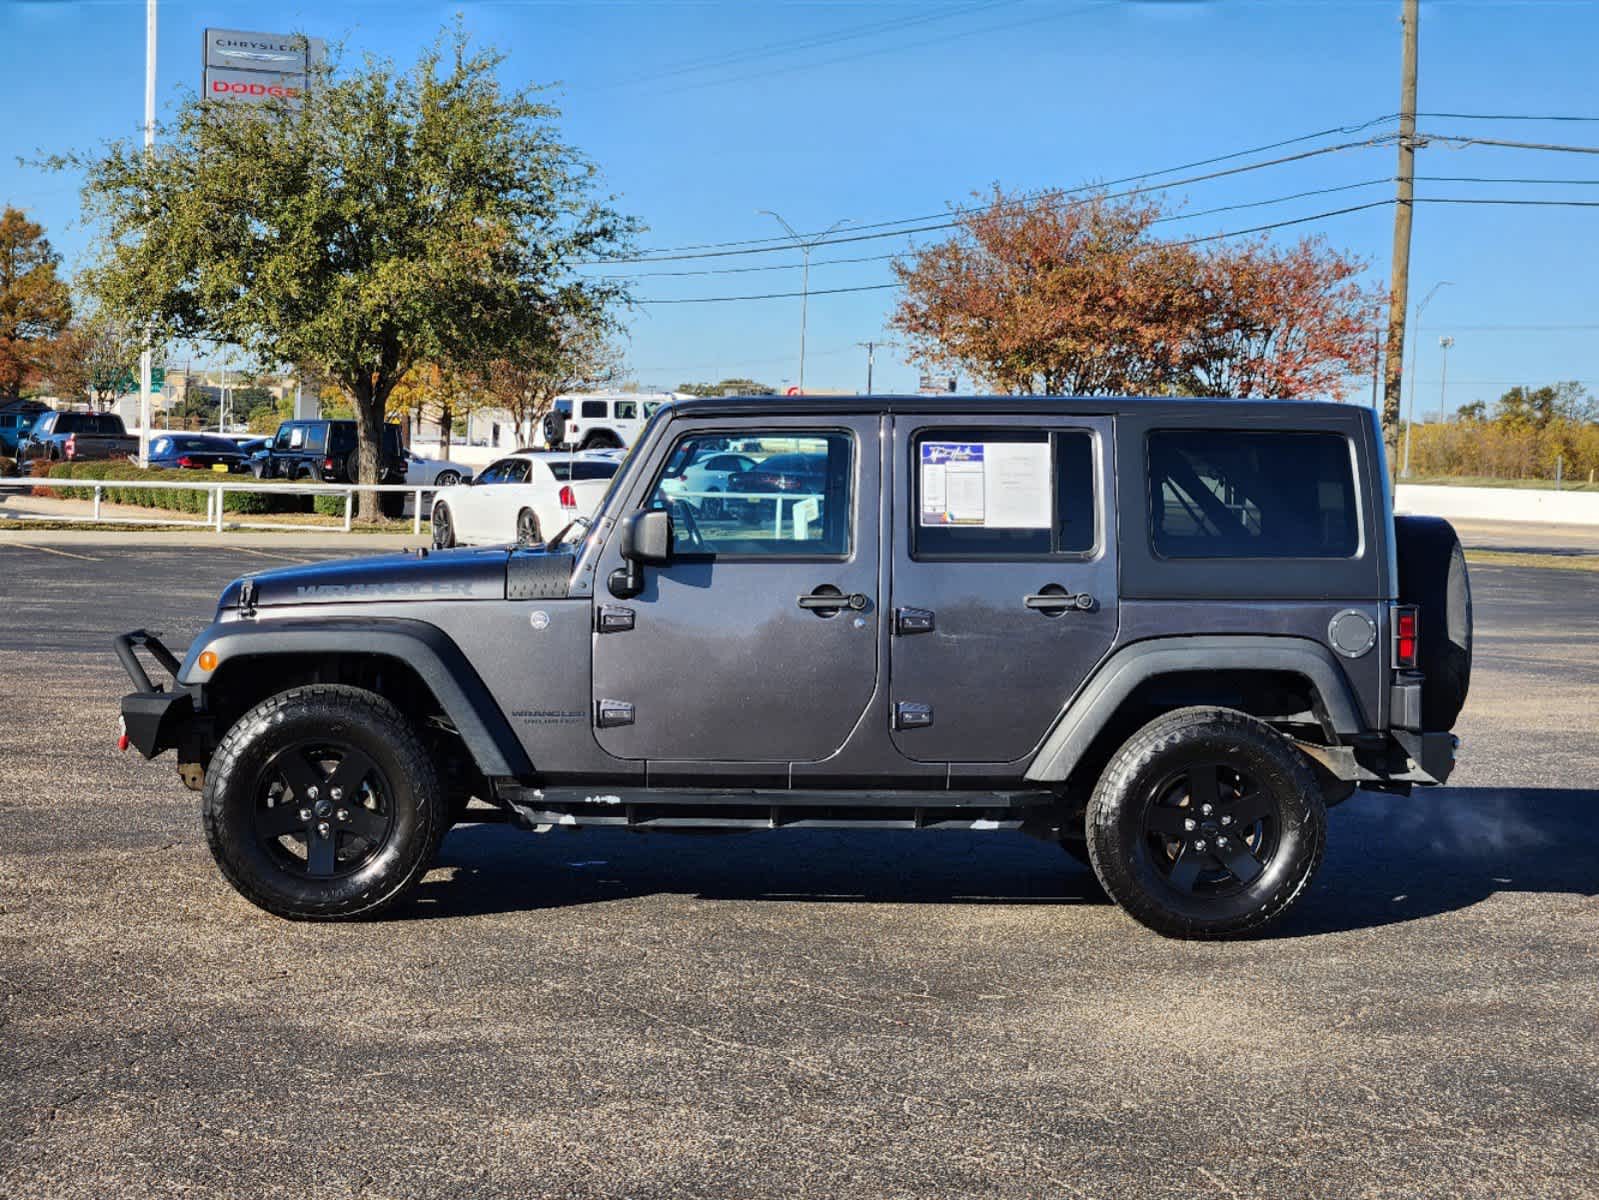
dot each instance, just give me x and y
(75, 437)
(1167, 635)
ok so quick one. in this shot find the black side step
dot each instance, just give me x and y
(756, 808)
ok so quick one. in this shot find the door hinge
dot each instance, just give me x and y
(608, 714)
(913, 620)
(909, 714)
(613, 618)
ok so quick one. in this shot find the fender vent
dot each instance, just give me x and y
(535, 575)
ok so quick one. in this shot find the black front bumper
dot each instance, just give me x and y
(153, 719)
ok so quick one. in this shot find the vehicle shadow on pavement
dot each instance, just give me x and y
(494, 869)
(1390, 859)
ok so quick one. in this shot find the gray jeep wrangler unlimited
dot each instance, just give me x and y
(1166, 634)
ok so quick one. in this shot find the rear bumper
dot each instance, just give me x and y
(1403, 757)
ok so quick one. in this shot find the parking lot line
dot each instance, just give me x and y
(52, 550)
(263, 554)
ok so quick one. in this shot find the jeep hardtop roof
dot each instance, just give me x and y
(1287, 411)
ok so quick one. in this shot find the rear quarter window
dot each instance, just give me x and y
(1228, 493)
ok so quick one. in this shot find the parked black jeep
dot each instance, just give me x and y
(326, 452)
(1166, 634)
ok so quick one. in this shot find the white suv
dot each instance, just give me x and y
(602, 421)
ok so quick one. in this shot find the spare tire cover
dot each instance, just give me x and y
(554, 427)
(1433, 577)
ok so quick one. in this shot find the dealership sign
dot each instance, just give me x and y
(240, 65)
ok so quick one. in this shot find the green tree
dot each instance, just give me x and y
(728, 387)
(385, 219)
(35, 305)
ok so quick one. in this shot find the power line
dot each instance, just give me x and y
(1500, 179)
(1182, 216)
(967, 214)
(755, 53)
(645, 255)
(1460, 140)
(1507, 200)
(879, 287)
(1505, 117)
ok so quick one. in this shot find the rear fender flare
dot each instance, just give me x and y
(425, 648)
(1096, 704)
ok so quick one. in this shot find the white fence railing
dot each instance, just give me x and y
(216, 515)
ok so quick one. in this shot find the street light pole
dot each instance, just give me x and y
(149, 144)
(1411, 417)
(806, 245)
(1444, 343)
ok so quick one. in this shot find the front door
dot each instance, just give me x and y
(1004, 579)
(758, 641)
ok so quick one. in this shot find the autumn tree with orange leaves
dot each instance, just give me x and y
(1081, 297)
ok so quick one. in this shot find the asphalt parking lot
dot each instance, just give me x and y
(824, 1014)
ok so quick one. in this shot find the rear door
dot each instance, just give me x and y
(1004, 579)
(757, 643)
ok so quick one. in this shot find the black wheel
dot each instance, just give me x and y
(446, 479)
(443, 527)
(322, 804)
(527, 528)
(1207, 823)
(603, 440)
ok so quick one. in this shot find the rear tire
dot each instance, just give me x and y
(443, 527)
(528, 532)
(1207, 823)
(322, 804)
(603, 440)
(447, 479)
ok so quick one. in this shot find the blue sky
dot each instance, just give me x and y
(701, 113)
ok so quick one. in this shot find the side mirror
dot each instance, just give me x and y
(645, 539)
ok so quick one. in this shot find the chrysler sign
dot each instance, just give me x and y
(241, 65)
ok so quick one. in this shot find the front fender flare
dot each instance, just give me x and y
(1096, 703)
(425, 648)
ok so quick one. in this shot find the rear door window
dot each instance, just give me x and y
(1229, 493)
(593, 410)
(1003, 493)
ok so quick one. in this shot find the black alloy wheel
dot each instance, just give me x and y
(1210, 828)
(323, 804)
(443, 529)
(1207, 823)
(323, 808)
(527, 528)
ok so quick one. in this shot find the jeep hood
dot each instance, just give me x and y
(439, 575)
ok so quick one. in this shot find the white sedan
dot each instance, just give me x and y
(523, 498)
(434, 472)
(700, 483)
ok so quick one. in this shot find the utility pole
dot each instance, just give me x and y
(806, 245)
(149, 144)
(1399, 300)
(871, 359)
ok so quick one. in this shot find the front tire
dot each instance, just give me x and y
(1207, 823)
(322, 804)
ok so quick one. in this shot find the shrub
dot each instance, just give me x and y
(8, 467)
(180, 500)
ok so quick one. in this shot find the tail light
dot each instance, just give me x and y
(70, 449)
(327, 464)
(568, 496)
(1406, 636)
(185, 461)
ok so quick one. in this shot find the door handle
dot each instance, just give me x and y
(1054, 603)
(832, 600)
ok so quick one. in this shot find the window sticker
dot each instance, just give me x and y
(994, 485)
